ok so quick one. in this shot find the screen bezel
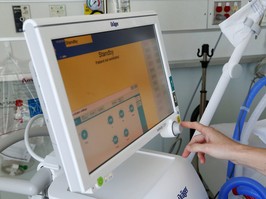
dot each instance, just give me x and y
(39, 35)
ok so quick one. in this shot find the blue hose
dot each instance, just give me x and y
(242, 117)
(245, 186)
(247, 191)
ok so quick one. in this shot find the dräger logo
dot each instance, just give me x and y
(114, 24)
(183, 193)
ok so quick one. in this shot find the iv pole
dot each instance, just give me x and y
(204, 64)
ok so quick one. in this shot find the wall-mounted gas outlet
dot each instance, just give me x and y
(57, 10)
(224, 9)
(21, 13)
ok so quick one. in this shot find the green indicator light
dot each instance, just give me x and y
(100, 181)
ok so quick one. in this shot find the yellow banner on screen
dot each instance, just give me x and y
(76, 41)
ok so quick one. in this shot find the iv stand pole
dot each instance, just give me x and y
(204, 64)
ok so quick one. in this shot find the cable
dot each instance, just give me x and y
(178, 139)
(216, 195)
(191, 99)
(26, 138)
(260, 66)
(216, 44)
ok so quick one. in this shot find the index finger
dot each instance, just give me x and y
(194, 125)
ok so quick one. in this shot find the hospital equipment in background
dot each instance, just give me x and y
(18, 103)
(62, 168)
(118, 6)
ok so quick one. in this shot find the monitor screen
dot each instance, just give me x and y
(116, 88)
(106, 90)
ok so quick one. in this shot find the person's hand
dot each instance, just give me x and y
(210, 141)
(214, 143)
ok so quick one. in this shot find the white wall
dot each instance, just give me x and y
(186, 25)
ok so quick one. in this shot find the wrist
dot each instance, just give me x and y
(239, 153)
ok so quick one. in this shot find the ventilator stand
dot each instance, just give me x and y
(204, 64)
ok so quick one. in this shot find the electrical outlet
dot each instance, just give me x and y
(20, 13)
(57, 10)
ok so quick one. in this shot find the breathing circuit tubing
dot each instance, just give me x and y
(242, 116)
(243, 185)
(248, 130)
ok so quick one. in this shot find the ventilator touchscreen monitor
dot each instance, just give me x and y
(105, 87)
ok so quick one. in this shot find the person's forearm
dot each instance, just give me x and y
(251, 157)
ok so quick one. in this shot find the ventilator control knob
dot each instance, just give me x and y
(176, 128)
(172, 129)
